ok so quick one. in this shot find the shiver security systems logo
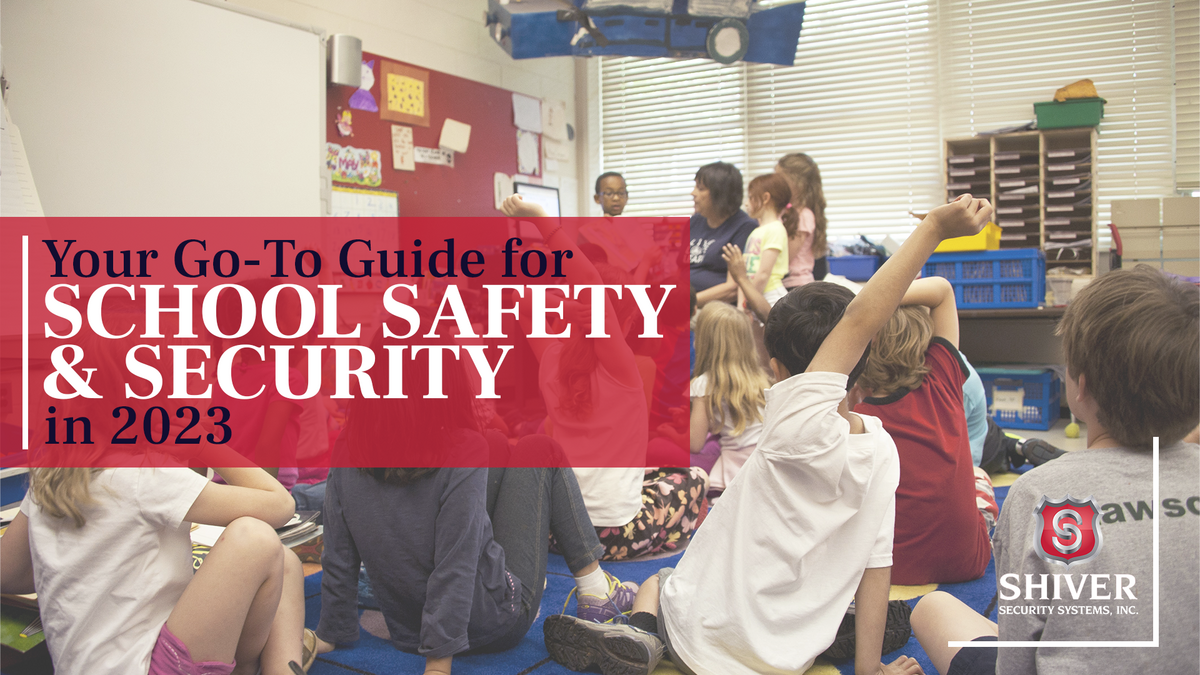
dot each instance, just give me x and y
(1068, 530)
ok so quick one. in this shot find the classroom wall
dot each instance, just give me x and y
(448, 36)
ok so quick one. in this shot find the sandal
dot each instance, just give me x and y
(308, 653)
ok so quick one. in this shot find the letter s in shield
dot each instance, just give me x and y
(1068, 530)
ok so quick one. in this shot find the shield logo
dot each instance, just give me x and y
(1068, 530)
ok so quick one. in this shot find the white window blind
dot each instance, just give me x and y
(861, 100)
(1187, 95)
(878, 84)
(1000, 56)
(661, 119)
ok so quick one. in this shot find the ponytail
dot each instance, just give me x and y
(791, 220)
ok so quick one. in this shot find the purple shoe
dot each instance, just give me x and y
(612, 608)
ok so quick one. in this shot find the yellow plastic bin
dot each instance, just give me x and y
(988, 239)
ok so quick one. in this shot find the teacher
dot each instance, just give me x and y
(719, 220)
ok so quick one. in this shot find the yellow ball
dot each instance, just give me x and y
(1072, 430)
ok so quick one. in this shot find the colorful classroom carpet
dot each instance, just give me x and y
(375, 656)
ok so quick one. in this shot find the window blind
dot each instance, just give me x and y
(878, 84)
(1000, 56)
(661, 119)
(1187, 95)
(861, 100)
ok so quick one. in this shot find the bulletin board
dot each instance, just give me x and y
(466, 189)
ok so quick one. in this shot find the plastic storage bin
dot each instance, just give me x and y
(1076, 112)
(988, 239)
(854, 267)
(1005, 279)
(1020, 398)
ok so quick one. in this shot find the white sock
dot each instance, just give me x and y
(594, 583)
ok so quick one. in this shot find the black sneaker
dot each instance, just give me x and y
(896, 633)
(1038, 452)
(617, 649)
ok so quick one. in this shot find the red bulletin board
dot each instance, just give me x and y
(435, 190)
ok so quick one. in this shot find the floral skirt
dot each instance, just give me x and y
(673, 506)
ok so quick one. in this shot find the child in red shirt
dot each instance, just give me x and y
(915, 378)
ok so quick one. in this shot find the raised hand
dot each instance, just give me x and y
(516, 207)
(962, 217)
(734, 262)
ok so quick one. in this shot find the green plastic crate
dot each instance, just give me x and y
(1076, 112)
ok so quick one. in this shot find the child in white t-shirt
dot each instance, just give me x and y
(807, 526)
(109, 553)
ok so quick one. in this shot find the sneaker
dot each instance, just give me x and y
(616, 649)
(613, 607)
(1038, 452)
(896, 633)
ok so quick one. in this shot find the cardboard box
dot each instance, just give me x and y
(1139, 244)
(1135, 213)
(1187, 268)
(1181, 242)
(1184, 211)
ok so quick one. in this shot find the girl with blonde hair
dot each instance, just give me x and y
(108, 550)
(728, 389)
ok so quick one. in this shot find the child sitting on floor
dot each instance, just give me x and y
(807, 525)
(108, 551)
(944, 505)
(727, 390)
(456, 556)
(1131, 343)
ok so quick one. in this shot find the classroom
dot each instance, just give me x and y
(349, 336)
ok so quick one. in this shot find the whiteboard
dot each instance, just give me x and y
(165, 108)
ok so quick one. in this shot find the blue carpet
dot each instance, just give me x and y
(376, 657)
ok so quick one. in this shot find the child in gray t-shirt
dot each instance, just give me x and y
(1074, 544)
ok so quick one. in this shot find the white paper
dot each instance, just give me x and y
(501, 188)
(434, 156)
(353, 203)
(455, 135)
(549, 166)
(527, 113)
(206, 535)
(554, 120)
(402, 148)
(527, 153)
(557, 150)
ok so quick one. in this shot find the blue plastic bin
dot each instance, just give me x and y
(854, 267)
(1004, 279)
(1022, 398)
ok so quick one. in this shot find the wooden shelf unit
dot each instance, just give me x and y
(1042, 184)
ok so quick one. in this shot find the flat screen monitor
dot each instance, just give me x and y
(547, 197)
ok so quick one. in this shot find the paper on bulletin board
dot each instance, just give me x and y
(353, 165)
(527, 113)
(554, 120)
(556, 150)
(402, 148)
(502, 187)
(455, 135)
(440, 156)
(347, 202)
(527, 153)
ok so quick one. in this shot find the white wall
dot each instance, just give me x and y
(165, 107)
(449, 36)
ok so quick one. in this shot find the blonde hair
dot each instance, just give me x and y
(898, 356)
(725, 352)
(62, 492)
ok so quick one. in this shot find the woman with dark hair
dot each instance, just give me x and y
(719, 220)
(456, 556)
